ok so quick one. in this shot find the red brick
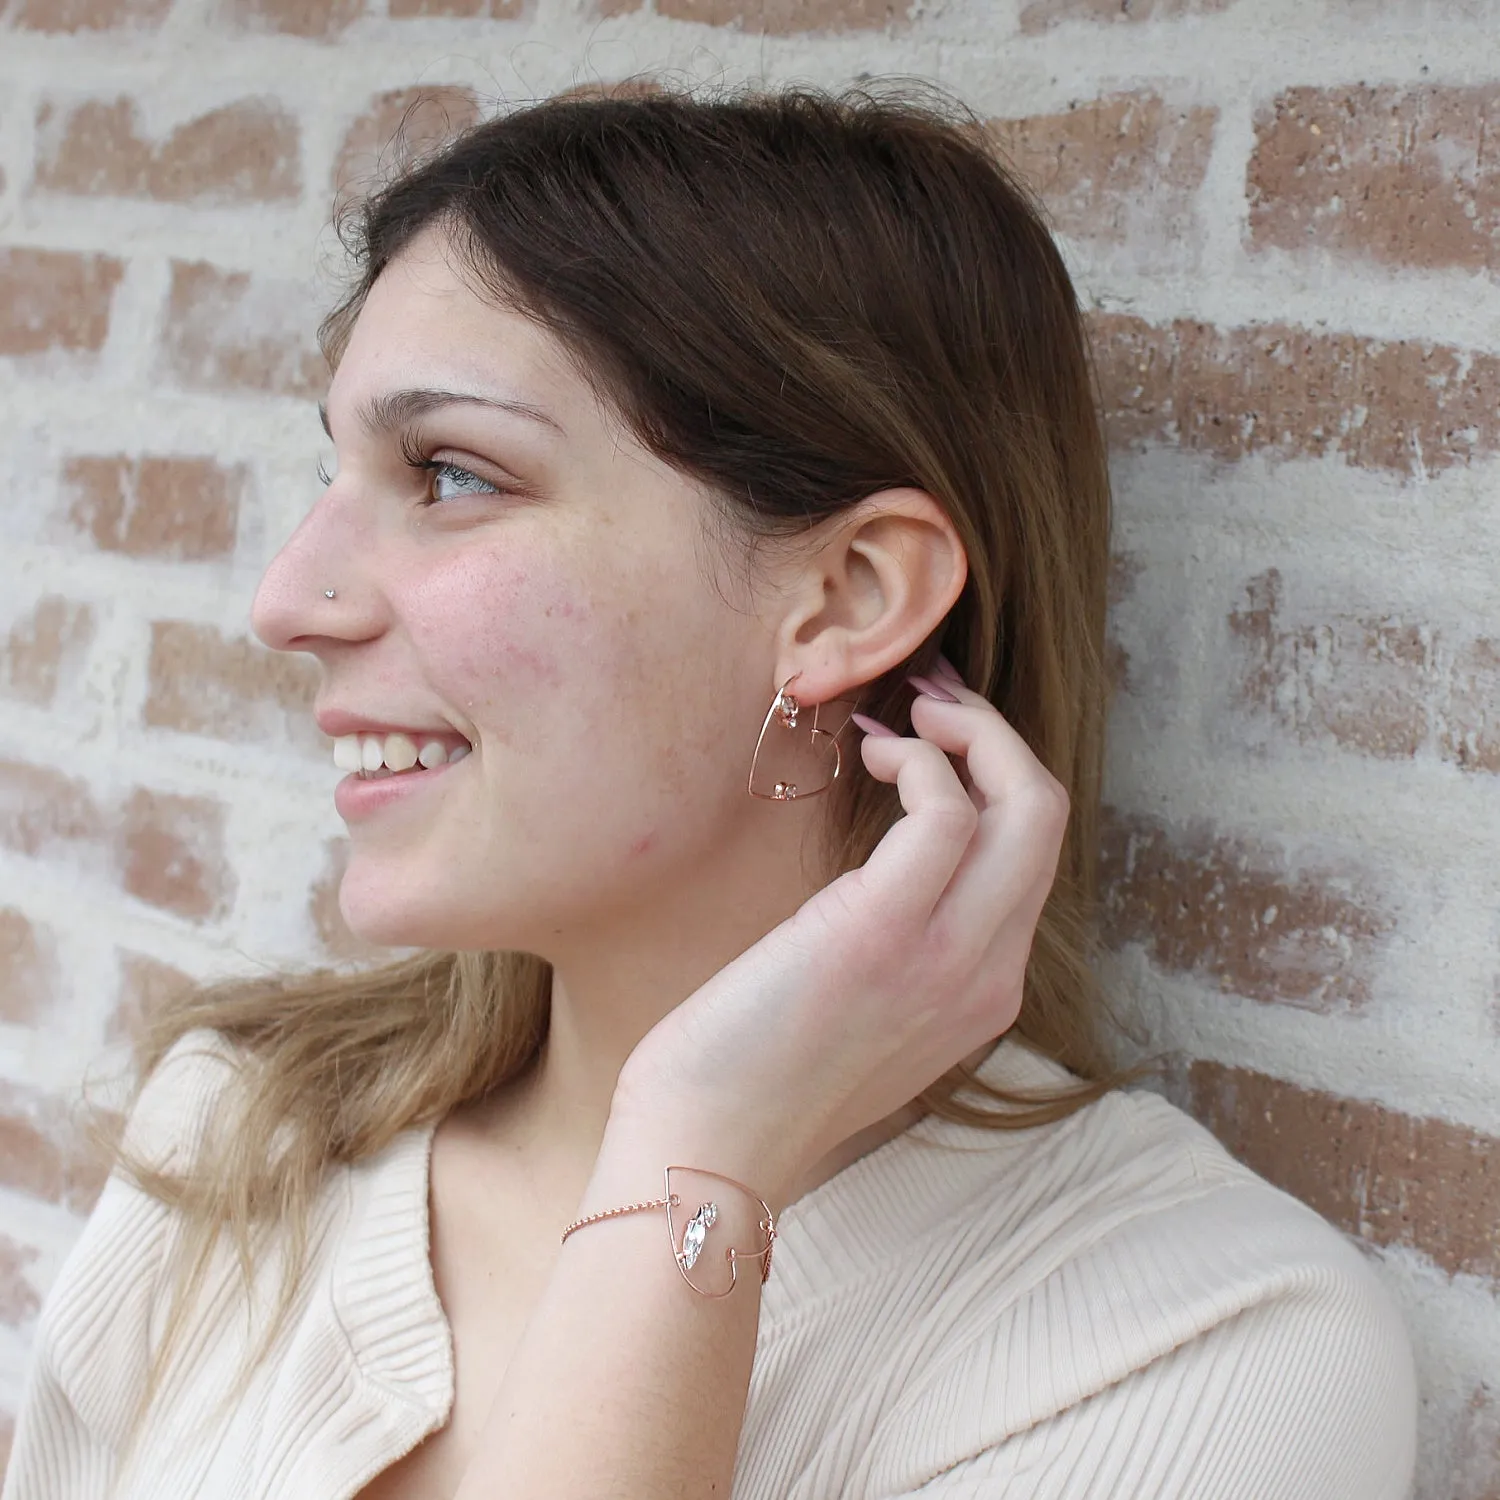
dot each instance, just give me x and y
(43, 647)
(1406, 176)
(323, 907)
(145, 984)
(1381, 685)
(55, 299)
(1122, 167)
(165, 850)
(42, 811)
(398, 126)
(777, 17)
(635, 87)
(1240, 915)
(45, 1152)
(202, 682)
(1390, 1178)
(1038, 15)
(1406, 407)
(228, 331)
(171, 854)
(86, 15)
(28, 969)
(19, 1300)
(493, 10)
(322, 19)
(245, 151)
(173, 509)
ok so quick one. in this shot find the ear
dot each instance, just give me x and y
(875, 585)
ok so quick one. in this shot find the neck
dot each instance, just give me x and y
(612, 984)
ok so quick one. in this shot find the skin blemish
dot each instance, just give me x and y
(533, 663)
(642, 844)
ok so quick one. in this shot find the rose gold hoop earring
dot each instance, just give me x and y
(805, 758)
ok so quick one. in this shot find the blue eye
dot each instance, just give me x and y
(449, 482)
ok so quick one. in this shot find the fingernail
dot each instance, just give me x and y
(928, 686)
(947, 668)
(874, 726)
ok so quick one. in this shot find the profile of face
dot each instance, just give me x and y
(535, 586)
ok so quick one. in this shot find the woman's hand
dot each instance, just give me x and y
(890, 974)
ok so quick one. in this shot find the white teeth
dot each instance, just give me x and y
(395, 752)
(400, 752)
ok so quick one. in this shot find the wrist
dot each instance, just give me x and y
(644, 1137)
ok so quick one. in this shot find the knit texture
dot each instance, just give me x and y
(1105, 1306)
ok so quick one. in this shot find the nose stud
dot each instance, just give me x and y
(328, 593)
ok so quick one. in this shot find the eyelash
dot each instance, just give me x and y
(414, 458)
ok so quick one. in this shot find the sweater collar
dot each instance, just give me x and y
(383, 1289)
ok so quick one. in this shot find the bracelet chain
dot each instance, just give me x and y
(629, 1208)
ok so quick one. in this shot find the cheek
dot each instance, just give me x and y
(488, 627)
(540, 643)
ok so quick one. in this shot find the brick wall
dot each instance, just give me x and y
(1285, 215)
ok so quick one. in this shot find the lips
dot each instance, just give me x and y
(365, 792)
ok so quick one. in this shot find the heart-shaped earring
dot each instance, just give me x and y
(806, 763)
(700, 1254)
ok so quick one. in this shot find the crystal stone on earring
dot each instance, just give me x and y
(785, 790)
(696, 1232)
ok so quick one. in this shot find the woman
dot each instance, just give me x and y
(688, 451)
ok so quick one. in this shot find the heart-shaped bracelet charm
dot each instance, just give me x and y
(707, 1265)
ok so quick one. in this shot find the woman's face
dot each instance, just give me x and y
(548, 596)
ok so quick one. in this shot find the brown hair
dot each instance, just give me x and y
(798, 297)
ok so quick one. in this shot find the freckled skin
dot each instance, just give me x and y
(612, 696)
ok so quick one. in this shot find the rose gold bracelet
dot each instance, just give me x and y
(695, 1232)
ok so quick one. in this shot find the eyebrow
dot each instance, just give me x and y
(383, 414)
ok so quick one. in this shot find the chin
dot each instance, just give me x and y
(389, 912)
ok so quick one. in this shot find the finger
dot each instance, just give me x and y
(915, 859)
(1011, 860)
(998, 760)
(943, 680)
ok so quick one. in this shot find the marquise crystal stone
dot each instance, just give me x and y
(696, 1232)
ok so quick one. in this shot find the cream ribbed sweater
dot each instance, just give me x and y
(1106, 1306)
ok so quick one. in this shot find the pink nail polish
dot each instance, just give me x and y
(874, 726)
(928, 686)
(947, 668)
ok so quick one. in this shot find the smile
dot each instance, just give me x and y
(365, 792)
(377, 755)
